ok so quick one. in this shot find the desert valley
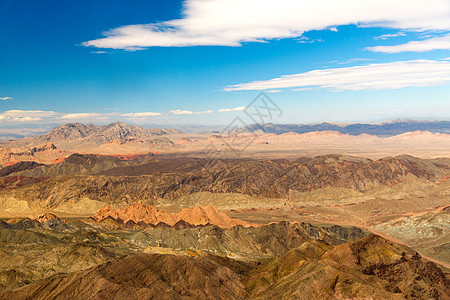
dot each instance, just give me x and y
(82, 203)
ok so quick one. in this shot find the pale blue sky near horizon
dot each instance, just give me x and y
(199, 62)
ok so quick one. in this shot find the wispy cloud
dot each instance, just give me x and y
(353, 60)
(6, 98)
(142, 114)
(79, 116)
(305, 40)
(394, 75)
(388, 36)
(188, 112)
(436, 43)
(209, 22)
(26, 115)
(240, 108)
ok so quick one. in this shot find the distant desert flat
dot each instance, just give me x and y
(260, 146)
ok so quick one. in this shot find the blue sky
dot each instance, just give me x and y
(175, 63)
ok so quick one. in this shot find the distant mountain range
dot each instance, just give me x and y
(94, 134)
(382, 130)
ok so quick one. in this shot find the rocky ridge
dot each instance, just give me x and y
(369, 267)
(149, 215)
(93, 134)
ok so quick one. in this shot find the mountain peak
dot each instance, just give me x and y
(118, 124)
(95, 134)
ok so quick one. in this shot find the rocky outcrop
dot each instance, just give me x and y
(137, 213)
(46, 218)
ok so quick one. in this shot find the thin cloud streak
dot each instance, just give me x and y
(188, 112)
(394, 75)
(240, 108)
(436, 43)
(388, 36)
(80, 116)
(142, 114)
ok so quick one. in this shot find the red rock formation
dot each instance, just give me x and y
(200, 215)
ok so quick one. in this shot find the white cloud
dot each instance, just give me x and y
(306, 40)
(26, 115)
(352, 60)
(79, 116)
(188, 112)
(394, 75)
(232, 22)
(436, 43)
(390, 35)
(181, 112)
(25, 119)
(240, 108)
(142, 114)
(6, 98)
(42, 115)
(334, 29)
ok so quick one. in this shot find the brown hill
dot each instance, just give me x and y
(142, 277)
(369, 268)
(17, 167)
(30, 250)
(77, 164)
(170, 179)
(150, 215)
